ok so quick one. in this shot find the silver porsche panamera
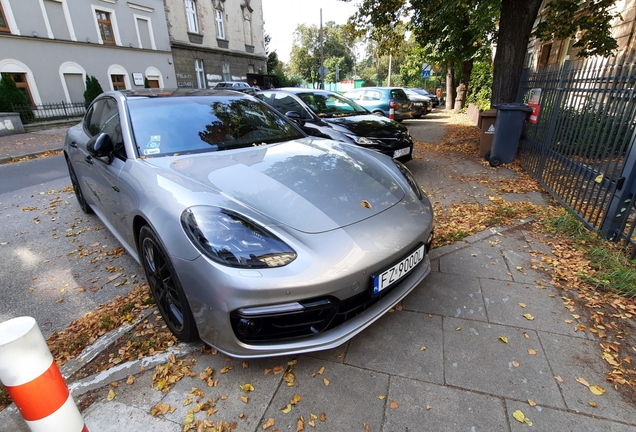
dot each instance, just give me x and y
(255, 238)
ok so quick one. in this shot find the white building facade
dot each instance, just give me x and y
(50, 46)
(216, 40)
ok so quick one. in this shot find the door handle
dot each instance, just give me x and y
(89, 159)
(73, 144)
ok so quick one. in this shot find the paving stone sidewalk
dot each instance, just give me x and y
(457, 355)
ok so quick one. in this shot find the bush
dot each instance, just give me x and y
(10, 94)
(93, 89)
(590, 134)
(480, 87)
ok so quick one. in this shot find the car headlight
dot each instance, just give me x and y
(410, 179)
(362, 140)
(231, 240)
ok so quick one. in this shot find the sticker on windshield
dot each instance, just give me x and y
(152, 151)
(155, 138)
(153, 144)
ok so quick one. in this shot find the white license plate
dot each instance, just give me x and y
(401, 152)
(395, 273)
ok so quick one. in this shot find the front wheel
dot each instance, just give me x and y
(166, 287)
(78, 189)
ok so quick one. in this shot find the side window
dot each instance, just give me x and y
(372, 95)
(284, 103)
(264, 96)
(398, 94)
(93, 117)
(110, 125)
(354, 95)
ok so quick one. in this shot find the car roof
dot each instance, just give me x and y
(297, 90)
(129, 94)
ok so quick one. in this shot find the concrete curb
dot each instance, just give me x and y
(33, 154)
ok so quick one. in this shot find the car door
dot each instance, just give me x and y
(104, 171)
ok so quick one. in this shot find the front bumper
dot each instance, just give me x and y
(216, 294)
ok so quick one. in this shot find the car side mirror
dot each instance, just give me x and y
(294, 115)
(101, 145)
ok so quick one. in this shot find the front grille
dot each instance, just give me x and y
(320, 314)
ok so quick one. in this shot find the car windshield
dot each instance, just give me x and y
(183, 125)
(331, 104)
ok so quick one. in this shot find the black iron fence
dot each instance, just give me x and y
(582, 147)
(50, 111)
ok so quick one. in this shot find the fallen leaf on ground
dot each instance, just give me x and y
(519, 416)
(503, 339)
(111, 395)
(531, 351)
(394, 405)
(532, 403)
(597, 389)
(270, 422)
(528, 317)
(326, 381)
(582, 381)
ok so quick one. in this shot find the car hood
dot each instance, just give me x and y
(368, 126)
(311, 185)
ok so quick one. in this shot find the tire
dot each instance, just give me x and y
(494, 161)
(166, 287)
(78, 189)
(487, 156)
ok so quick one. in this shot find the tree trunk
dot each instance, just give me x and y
(450, 85)
(462, 90)
(515, 26)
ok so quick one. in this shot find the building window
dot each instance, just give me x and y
(21, 83)
(191, 15)
(105, 27)
(4, 25)
(119, 82)
(220, 27)
(545, 54)
(226, 71)
(198, 69)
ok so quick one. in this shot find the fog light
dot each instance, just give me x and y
(249, 327)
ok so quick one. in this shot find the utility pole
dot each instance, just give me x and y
(322, 57)
(390, 61)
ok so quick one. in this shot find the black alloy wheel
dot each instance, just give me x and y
(78, 190)
(165, 287)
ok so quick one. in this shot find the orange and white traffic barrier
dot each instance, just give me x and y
(391, 113)
(34, 381)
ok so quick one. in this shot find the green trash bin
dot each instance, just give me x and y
(510, 118)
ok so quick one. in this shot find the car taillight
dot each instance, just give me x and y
(393, 104)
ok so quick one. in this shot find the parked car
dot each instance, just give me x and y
(233, 84)
(434, 99)
(326, 114)
(253, 236)
(421, 104)
(381, 99)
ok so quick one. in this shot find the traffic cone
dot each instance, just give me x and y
(33, 380)
(391, 113)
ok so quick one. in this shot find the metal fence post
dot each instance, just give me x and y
(616, 216)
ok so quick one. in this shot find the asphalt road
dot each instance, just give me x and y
(55, 266)
(20, 175)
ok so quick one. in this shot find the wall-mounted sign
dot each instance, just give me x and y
(533, 102)
(138, 78)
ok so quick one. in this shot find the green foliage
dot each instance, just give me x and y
(10, 94)
(305, 54)
(591, 19)
(93, 89)
(587, 133)
(146, 83)
(282, 80)
(272, 62)
(480, 88)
